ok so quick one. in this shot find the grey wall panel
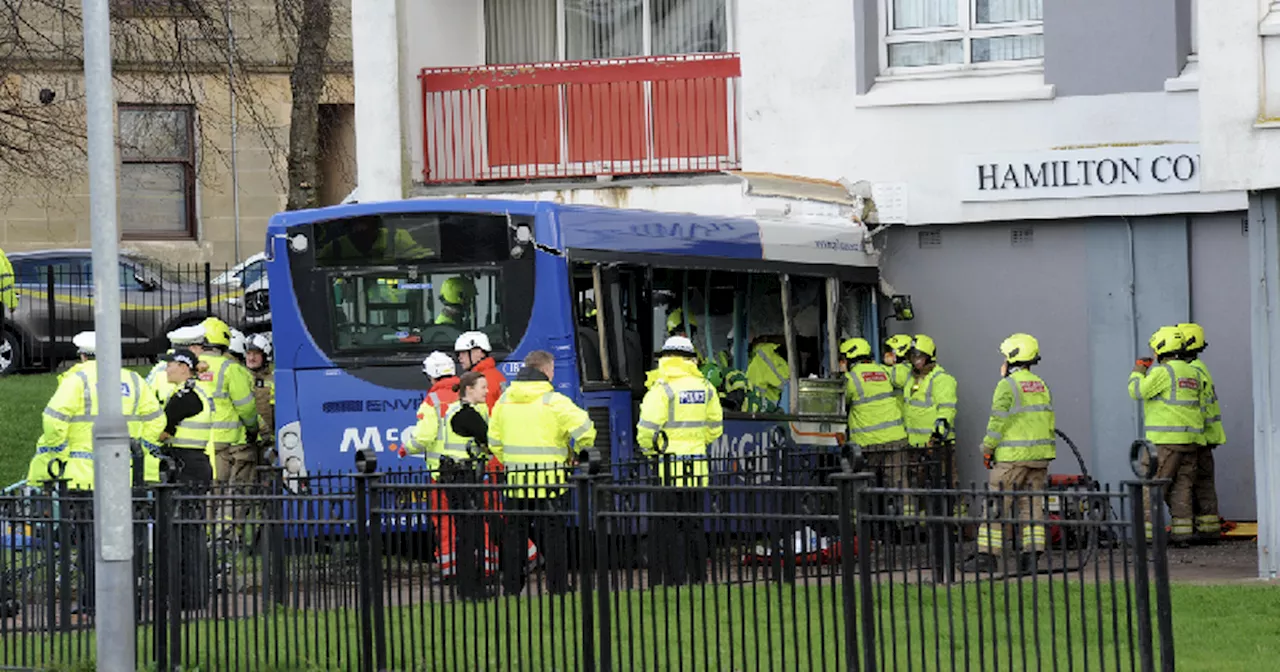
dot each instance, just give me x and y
(1108, 328)
(1220, 303)
(1094, 47)
(975, 289)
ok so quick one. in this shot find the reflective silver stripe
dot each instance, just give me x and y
(435, 400)
(1027, 443)
(581, 430)
(1135, 386)
(1179, 430)
(1173, 399)
(137, 392)
(531, 450)
(671, 402)
(1216, 418)
(928, 394)
(769, 362)
(57, 415)
(946, 405)
(857, 386)
(876, 428)
(1037, 408)
(88, 394)
(150, 416)
(651, 426)
(686, 424)
(911, 430)
(243, 401)
(188, 443)
(995, 436)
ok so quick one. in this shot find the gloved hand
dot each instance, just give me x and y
(402, 452)
(1142, 365)
(988, 460)
(251, 436)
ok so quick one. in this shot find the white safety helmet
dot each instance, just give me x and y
(679, 345)
(238, 342)
(471, 340)
(438, 365)
(183, 336)
(259, 342)
(86, 343)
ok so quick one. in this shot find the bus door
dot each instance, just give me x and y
(606, 299)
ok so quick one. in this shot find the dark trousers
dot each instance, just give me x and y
(78, 512)
(193, 473)
(468, 528)
(536, 518)
(678, 545)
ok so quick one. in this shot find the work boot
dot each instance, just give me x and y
(981, 562)
(1029, 562)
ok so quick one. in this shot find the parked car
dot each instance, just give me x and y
(251, 276)
(153, 302)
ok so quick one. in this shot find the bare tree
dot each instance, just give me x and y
(164, 51)
(306, 84)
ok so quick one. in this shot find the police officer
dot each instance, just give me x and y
(679, 417)
(1207, 522)
(535, 432)
(157, 378)
(189, 417)
(231, 386)
(875, 415)
(1019, 445)
(461, 454)
(257, 357)
(68, 437)
(1172, 395)
(188, 433)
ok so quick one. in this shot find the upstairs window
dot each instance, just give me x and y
(538, 31)
(925, 35)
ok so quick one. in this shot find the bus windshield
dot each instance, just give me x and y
(384, 310)
(393, 285)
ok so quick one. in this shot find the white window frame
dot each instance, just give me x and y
(562, 38)
(966, 30)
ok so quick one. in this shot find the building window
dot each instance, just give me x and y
(537, 31)
(158, 172)
(960, 34)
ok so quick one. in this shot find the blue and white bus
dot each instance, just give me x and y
(356, 296)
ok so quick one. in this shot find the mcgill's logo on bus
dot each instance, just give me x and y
(374, 438)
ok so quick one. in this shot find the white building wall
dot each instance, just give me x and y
(802, 115)
(1240, 94)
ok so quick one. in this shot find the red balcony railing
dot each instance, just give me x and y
(671, 114)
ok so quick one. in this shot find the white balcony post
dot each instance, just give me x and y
(375, 63)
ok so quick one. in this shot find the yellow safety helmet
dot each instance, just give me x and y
(854, 348)
(675, 320)
(1166, 340)
(1020, 349)
(925, 346)
(1192, 336)
(216, 332)
(899, 345)
(457, 290)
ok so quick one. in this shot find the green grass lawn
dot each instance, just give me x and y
(1232, 627)
(22, 401)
